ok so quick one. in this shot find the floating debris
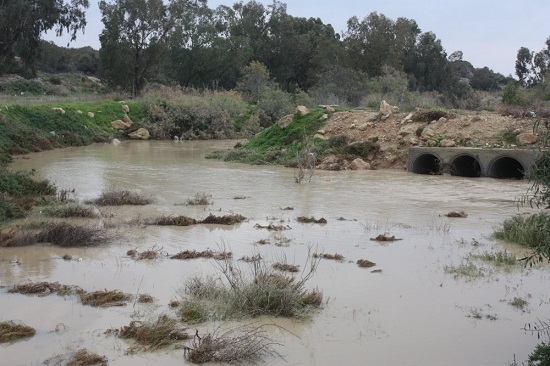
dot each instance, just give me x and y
(105, 298)
(457, 214)
(385, 237)
(192, 254)
(11, 331)
(223, 220)
(286, 267)
(365, 263)
(336, 256)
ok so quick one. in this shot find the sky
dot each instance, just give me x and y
(488, 32)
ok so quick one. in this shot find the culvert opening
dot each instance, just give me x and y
(465, 166)
(507, 168)
(426, 164)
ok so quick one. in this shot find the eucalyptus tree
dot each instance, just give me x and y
(135, 38)
(23, 23)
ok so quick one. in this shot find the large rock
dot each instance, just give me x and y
(141, 134)
(360, 164)
(115, 142)
(330, 109)
(302, 110)
(127, 120)
(120, 125)
(387, 109)
(125, 108)
(407, 130)
(527, 138)
(447, 143)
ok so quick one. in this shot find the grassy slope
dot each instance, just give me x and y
(33, 128)
(276, 145)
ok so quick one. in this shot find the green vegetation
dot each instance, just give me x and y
(71, 211)
(532, 231)
(499, 259)
(120, 198)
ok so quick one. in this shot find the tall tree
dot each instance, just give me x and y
(23, 22)
(524, 65)
(135, 38)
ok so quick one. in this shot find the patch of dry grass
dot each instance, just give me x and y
(250, 259)
(16, 238)
(145, 299)
(284, 267)
(336, 256)
(105, 298)
(44, 288)
(457, 214)
(192, 254)
(272, 227)
(223, 220)
(242, 344)
(311, 220)
(11, 331)
(120, 198)
(385, 238)
(151, 335)
(152, 253)
(82, 357)
(175, 221)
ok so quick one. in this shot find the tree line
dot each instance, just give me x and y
(186, 42)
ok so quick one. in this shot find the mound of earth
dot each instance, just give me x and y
(396, 132)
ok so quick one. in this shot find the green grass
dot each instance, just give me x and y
(532, 231)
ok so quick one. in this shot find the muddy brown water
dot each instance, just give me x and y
(411, 313)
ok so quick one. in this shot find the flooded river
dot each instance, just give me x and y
(414, 312)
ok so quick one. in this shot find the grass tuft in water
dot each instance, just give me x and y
(11, 331)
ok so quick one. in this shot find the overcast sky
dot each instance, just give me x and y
(488, 32)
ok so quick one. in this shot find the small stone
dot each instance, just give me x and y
(91, 114)
(447, 143)
(302, 110)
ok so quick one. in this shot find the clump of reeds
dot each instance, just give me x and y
(457, 214)
(105, 298)
(175, 221)
(336, 256)
(532, 231)
(11, 331)
(119, 198)
(64, 234)
(69, 211)
(162, 332)
(260, 292)
(284, 267)
(242, 344)
(385, 237)
(223, 220)
(311, 220)
(16, 238)
(192, 254)
(365, 263)
(200, 199)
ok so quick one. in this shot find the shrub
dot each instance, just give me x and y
(119, 198)
(66, 235)
(262, 292)
(273, 104)
(511, 94)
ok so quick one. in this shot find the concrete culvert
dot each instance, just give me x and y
(465, 166)
(506, 168)
(426, 164)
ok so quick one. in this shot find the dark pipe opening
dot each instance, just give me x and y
(426, 164)
(506, 168)
(465, 166)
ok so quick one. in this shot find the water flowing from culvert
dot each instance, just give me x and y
(410, 313)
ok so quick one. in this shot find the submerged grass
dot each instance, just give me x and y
(105, 298)
(466, 270)
(193, 254)
(241, 295)
(71, 211)
(11, 331)
(499, 259)
(200, 199)
(119, 198)
(152, 335)
(82, 357)
(311, 220)
(336, 256)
